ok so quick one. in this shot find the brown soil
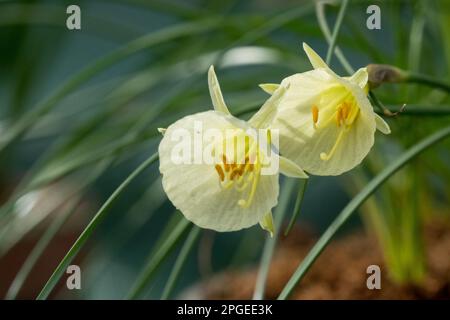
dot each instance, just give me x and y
(339, 273)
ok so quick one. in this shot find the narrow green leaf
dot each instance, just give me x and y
(298, 204)
(39, 249)
(157, 258)
(354, 204)
(164, 35)
(49, 234)
(269, 245)
(323, 24)
(87, 232)
(181, 260)
(336, 29)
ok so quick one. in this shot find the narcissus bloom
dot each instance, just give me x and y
(224, 185)
(326, 122)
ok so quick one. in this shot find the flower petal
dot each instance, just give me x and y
(303, 144)
(269, 87)
(267, 223)
(316, 61)
(215, 92)
(264, 117)
(291, 169)
(382, 125)
(195, 189)
(360, 78)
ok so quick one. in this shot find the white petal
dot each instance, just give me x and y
(360, 77)
(291, 169)
(316, 61)
(195, 188)
(303, 144)
(382, 125)
(215, 92)
(264, 117)
(267, 223)
(269, 87)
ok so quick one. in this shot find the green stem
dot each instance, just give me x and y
(181, 260)
(320, 13)
(336, 29)
(354, 204)
(157, 258)
(298, 204)
(383, 110)
(412, 77)
(87, 232)
(269, 245)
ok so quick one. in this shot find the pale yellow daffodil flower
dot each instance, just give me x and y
(231, 192)
(326, 122)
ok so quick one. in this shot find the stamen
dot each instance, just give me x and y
(339, 116)
(225, 163)
(326, 157)
(246, 203)
(243, 176)
(315, 115)
(220, 172)
(345, 110)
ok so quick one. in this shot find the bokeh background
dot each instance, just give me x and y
(72, 156)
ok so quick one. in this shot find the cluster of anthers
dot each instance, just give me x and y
(242, 174)
(343, 117)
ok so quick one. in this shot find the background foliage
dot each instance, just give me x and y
(79, 113)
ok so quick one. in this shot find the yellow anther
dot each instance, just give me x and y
(315, 114)
(345, 110)
(220, 172)
(225, 163)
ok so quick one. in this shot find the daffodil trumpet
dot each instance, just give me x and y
(326, 122)
(222, 172)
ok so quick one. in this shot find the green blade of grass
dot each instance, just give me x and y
(354, 204)
(38, 250)
(87, 232)
(157, 258)
(49, 234)
(298, 204)
(323, 24)
(336, 29)
(269, 245)
(164, 35)
(181, 260)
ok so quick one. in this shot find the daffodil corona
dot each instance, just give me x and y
(326, 122)
(216, 169)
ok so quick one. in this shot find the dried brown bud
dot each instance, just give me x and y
(382, 73)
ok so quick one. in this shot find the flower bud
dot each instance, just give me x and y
(382, 73)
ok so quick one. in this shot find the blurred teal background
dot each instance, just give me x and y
(107, 126)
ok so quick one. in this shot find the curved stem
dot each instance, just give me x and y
(298, 204)
(157, 258)
(428, 81)
(269, 245)
(38, 250)
(87, 232)
(181, 260)
(320, 13)
(336, 29)
(354, 204)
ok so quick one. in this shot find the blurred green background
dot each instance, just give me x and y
(74, 154)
